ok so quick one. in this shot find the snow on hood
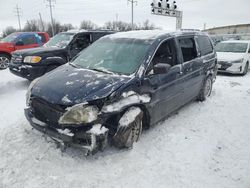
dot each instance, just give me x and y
(229, 56)
(67, 85)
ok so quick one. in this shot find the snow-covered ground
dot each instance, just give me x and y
(205, 145)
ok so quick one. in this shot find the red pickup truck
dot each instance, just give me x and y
(18, 41)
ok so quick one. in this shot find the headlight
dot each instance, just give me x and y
(238, 61)
(79, 114)
(32, 59)
(28, 94)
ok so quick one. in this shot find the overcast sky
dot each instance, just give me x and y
(196, 12)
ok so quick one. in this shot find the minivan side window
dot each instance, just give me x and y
(166, 54)
(188, 48)
(205, 45)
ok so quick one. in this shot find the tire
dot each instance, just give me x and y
(4, 61)
(245, 69)
(125, 137)
(206, 89)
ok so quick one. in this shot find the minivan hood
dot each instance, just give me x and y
(68, 85)
(229, 56)
(37, 51)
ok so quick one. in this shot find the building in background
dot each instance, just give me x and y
(232, 29)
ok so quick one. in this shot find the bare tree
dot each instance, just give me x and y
(66, 27)
(88, 25)
(119, 26)
(8, 30)
(147, 25)
(32, 25)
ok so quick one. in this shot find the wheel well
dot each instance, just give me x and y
(5, 53)
(114, 119)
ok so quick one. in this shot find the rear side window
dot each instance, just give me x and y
(42, 37)
(96, 36)
(205, 45)
(188, 48)
(29, 39)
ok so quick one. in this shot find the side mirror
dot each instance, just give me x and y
(19, 43)
(161, 68)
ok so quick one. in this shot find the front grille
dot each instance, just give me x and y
(46, 112)
(16, 59)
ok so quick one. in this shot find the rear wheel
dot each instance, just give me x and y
(4, 61)
(206, 89)
(245, 69)
(126, 135)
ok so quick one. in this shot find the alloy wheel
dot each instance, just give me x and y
(4, 62)
(208, 87)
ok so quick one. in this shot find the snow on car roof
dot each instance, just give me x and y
(236, 41)
(140, 34)
(148, 34)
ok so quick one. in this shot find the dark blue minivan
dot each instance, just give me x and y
(121, 84)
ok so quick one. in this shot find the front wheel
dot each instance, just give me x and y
(246, 69)
(4, 61)
(206, 89)
(129, 128)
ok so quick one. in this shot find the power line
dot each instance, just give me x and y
(17, 11)
(132, 11)
(51, 15)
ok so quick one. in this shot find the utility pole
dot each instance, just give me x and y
(41, 21)
(18, 14)
(51, 16)
(116, 21)
(132, 11)
(204, 26)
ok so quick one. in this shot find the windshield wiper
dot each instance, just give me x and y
(74, 65)
(102, 70)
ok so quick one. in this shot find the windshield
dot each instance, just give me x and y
(232, 47)
(10, 38)
(122, 56)
(60, 40)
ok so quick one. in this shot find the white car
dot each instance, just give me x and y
(233, 56)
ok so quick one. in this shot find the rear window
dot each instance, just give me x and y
(205, 45)
(43, 37)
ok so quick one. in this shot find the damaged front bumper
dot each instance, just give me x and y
(91, 141)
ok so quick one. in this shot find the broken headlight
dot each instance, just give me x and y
(79, 114)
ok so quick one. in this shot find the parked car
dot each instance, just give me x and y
(33, 63)
(18, 41)
(122, 83)
(233, 56)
